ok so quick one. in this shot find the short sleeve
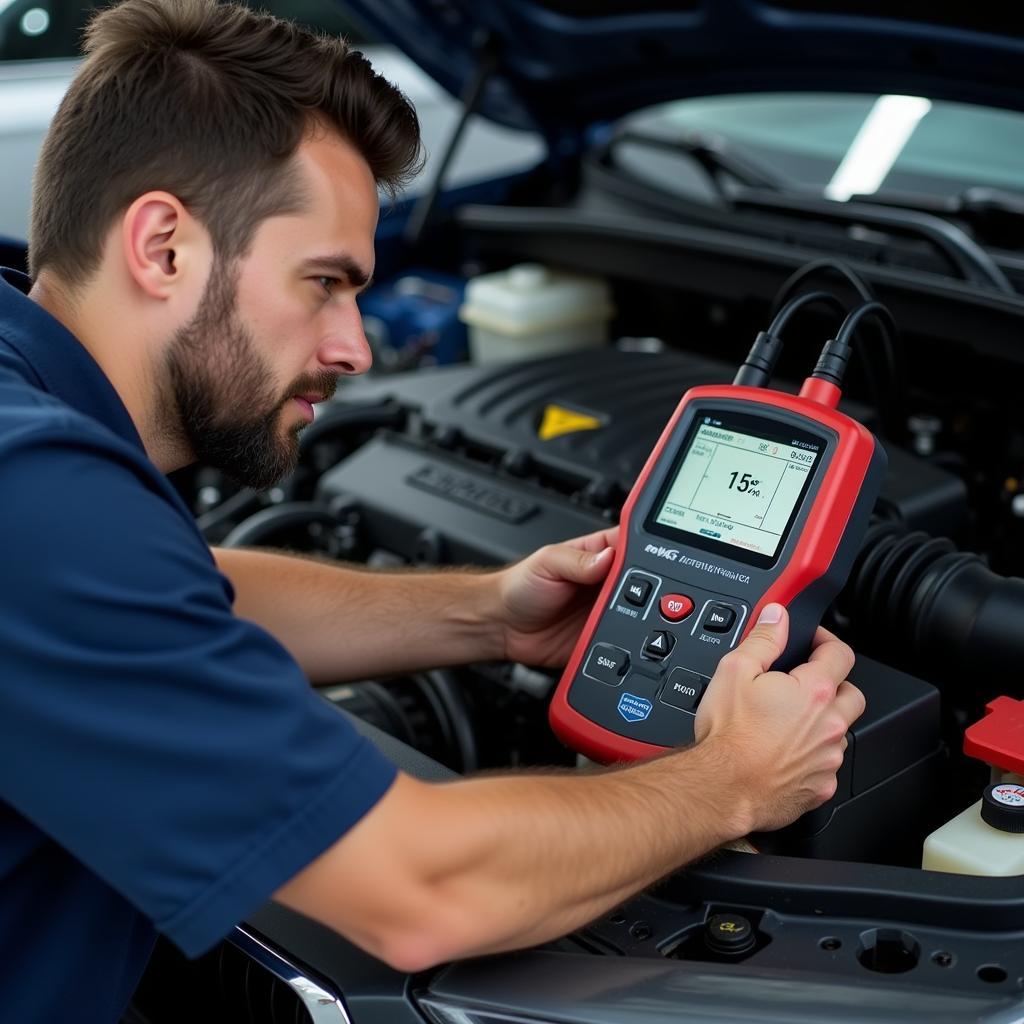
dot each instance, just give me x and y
(174, 749)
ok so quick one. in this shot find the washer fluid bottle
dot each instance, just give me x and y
(988, 837)
(530, 311)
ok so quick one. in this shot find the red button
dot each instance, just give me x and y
(675, 607)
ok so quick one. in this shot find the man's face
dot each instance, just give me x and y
(275, 329)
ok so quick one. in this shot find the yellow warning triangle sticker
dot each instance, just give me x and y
(558, 420)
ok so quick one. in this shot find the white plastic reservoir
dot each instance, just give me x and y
(530, 310)
(986, 839)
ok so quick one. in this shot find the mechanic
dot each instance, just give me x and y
(204, 214)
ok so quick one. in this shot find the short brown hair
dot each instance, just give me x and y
(209, 102)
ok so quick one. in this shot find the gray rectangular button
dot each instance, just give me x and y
(607, 664)
(637, 590)
(684, 689)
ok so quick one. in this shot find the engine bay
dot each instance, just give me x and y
(479, 464)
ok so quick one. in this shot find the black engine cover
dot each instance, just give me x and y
(475, 478)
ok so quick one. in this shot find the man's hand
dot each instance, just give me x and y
(544, 600)
(784, 732)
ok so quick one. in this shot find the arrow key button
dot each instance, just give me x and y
(658, 645)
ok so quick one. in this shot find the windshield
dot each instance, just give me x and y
(842, 145)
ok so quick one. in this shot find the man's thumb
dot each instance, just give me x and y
(564, 562)
(767, 640)
(595, 565)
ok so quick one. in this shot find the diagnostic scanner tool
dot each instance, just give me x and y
(750, 496)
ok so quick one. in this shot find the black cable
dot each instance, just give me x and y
(859, 285)
(835, 356)
(888, 408)
(786, 313)
(872, 309)
(864, 293)
(759, 365)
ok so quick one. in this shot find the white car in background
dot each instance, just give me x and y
(39, 41)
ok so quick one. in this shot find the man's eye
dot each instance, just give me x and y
(328, 283)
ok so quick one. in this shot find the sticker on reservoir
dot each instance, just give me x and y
(634, 708)
(1008, 794)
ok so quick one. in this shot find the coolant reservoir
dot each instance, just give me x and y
(986, 839)
(529, 311)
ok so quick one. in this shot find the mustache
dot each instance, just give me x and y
(323, 384)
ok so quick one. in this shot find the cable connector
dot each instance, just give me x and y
(826, 380)
(757, 369)
(832, 362)
(835, 356)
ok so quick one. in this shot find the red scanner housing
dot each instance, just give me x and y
(592, 715)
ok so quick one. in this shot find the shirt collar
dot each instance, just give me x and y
(60, 362)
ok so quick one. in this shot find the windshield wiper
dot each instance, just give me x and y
(756, 188)
(716, 157)
(968, 259)
(995, 215)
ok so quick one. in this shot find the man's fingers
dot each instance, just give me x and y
(849, 702)
(831, 655)
(763, 645)
(821, 636)
(597, 541)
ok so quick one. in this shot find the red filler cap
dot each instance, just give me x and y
(998, 738)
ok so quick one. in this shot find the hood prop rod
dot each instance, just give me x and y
(487, 63)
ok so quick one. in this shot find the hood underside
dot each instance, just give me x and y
(559, 66)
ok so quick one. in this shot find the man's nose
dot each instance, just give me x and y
(345, 346)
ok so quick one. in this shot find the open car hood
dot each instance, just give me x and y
(561, 65)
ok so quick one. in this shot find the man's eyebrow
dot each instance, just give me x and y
(338, 265)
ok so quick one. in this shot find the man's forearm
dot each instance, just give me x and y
(341, 623)
(532, 843)
(502, 863)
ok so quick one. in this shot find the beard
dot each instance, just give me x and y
(221, 402)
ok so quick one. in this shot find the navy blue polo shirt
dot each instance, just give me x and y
(164, 765)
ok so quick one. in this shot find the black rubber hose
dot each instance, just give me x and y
(455, 743)
(265, 524)
(230, 508)
(338, 418)
(409, 709)
(916, 600)
(446, 687)
(969, 621)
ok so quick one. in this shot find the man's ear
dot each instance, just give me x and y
(158, 239)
